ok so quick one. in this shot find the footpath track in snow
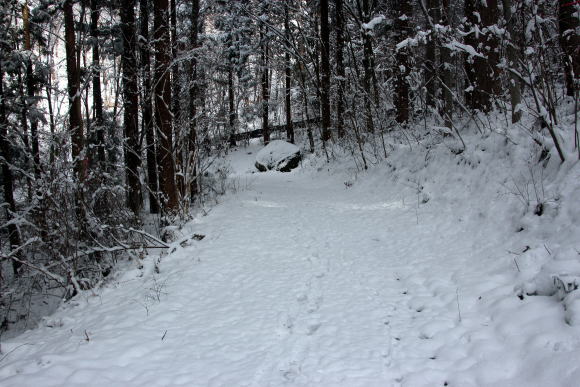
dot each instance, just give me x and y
(300, 281)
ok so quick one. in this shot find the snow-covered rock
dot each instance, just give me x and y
(278, 155)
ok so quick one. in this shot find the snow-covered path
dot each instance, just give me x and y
(302, 281)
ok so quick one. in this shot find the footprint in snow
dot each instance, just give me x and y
(313, 328)
(315, 305)
(292, 373)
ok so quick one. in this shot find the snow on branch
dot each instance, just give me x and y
(454, 45)
(373, 23)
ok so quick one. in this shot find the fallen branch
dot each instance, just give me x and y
(151, 237)
(42, 270)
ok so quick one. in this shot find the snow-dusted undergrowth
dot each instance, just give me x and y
(433, 268)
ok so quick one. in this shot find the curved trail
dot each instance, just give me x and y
(299, 282)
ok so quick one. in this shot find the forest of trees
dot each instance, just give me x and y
(114, 110)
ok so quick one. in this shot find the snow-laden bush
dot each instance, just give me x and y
(72, 239)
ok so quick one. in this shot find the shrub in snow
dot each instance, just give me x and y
(278, 155)
(558, 276)
(572, 307)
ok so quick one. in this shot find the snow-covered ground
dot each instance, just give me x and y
(415, 273)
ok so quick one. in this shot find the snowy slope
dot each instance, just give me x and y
(415, 273)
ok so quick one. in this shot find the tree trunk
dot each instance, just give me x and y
(98, 126)
(265, 84)
(193, 92)
(447, 72)
(24, 128)
(231, 105)
(147, 120)
(73, 78)
(288, 79)
(163, 103)
(31, 90)
(482, 72)
(431, 73)
(568, 23)
(302, 76)
(175, 86)
(512, 63)
(469, 65)
(324, 70)
(340, 73)
(51, 120)
(367, 67)
(131, 107)
(178, 151)
(7, 178)
(403, 14)
(487, 71)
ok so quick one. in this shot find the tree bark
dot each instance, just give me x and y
(178, 151)
(265, 84)
(367, 67)
(162, 98)
(431, 73)
(570, 42)
(147, 118)
(193, 96)
(469, 62)
(403, 14)
(98, 126)
(131, 107)
(175, 86)
(31, 91)
(231, 105)
(324, 70)
(482, 72)
(7, 178)
(487, 71)
(512, 63)
(447, 74)
(340, 73)
(288, 79)
(73, 77)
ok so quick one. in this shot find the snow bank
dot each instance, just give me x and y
(518, 217)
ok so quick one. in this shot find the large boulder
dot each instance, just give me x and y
(278, 155)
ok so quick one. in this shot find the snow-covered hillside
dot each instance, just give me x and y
(434, 268)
